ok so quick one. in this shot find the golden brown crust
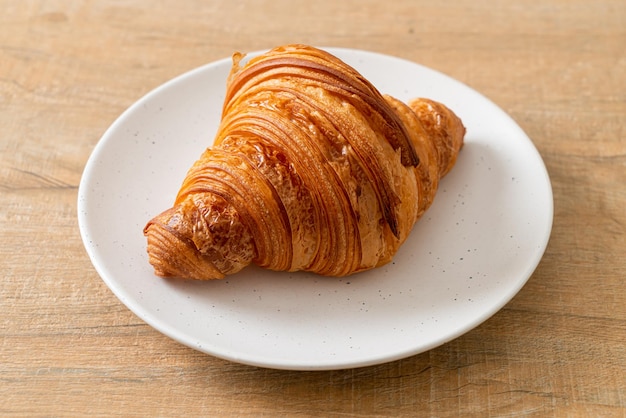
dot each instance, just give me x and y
(311, 169)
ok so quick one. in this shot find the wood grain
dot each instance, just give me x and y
(68, 347)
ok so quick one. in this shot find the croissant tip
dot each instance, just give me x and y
(187, 264)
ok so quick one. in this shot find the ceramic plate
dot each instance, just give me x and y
(465, 259)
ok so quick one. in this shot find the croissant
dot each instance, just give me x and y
(311, 169)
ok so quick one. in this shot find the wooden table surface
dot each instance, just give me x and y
(69, 347)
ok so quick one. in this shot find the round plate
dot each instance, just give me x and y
(466, 258)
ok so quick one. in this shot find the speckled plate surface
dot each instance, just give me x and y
(469, 255)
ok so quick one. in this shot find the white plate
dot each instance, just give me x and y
(468, 256)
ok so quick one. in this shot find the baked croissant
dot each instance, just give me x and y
(311, 169)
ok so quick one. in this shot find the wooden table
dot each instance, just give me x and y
(69, 347)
